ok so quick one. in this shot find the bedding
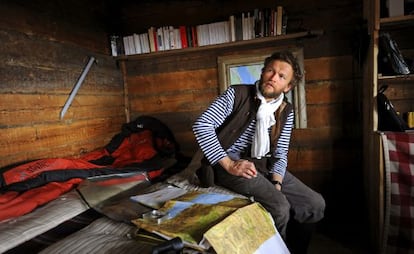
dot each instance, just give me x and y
(140, 146)
(37, 196)
(398, 234)
(16, 231)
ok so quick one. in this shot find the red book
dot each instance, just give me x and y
(194, 33)
(183, 35)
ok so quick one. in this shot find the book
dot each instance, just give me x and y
(189, 36)
(232, 26)
(152, 37)
(279, 20)
(126, 45)
(160, 39)
(183, 36)
(131, 45)
(116, 45)
(137, 43)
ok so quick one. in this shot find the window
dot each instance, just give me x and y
(246, 69)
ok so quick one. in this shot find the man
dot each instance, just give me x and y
(245, 135)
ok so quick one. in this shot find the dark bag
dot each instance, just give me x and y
(388, 119)
(390, 59)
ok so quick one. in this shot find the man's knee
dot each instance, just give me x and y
(311, 212)
(318, 205)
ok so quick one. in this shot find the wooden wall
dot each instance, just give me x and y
(44, 47)
(177, 87)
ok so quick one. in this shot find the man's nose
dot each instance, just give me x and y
(274, 77)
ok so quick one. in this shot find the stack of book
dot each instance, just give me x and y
(244, 26)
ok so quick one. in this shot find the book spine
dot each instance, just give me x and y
(114, 46)
(279, 19)
(183, 36)
(151, 39)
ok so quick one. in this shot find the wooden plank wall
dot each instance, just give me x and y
(44, 48)
(328, 154)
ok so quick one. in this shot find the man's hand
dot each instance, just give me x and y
(243, 168)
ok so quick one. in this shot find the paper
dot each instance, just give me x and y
(158, 198)
(249, 229)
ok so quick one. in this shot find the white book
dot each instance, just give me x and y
(144, 43)
(200, 35)
(114, 47)
(177, 36)
(212, 33)
(160, 39)
(137, 44)
(172, 37)
(166, 32)
(131, 45)
(126, 45)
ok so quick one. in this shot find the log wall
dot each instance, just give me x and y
(44, 50)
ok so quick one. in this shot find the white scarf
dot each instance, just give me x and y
(264, 119)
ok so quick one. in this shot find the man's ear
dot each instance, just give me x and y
(288, 87)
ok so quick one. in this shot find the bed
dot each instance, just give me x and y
(96, 215)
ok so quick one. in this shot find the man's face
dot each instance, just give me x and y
(275, 79)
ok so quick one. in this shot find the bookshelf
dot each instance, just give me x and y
(254, 27)
(395, 22)
(256, 41)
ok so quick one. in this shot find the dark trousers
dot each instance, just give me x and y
(295, 201)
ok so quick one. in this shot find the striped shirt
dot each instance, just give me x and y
(215, 115)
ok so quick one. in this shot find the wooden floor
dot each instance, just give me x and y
(323, 244)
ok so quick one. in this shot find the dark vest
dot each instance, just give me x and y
(244, 111)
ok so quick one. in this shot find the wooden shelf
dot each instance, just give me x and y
(400, 21)
(399, 77)
(262, 40)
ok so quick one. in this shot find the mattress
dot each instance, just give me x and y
(14, 232)
(104, 235)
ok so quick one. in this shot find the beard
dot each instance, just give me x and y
(272, 94)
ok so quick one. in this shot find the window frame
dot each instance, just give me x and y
(297, 96)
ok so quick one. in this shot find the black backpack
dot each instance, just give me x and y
(388, 119)
(390, 59)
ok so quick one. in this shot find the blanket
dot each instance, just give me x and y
(399, 192)
(139, 147)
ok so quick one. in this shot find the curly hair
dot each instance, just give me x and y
(288, 57)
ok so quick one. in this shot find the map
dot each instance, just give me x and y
(224, 222)
(246, 74)
(191, 215)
